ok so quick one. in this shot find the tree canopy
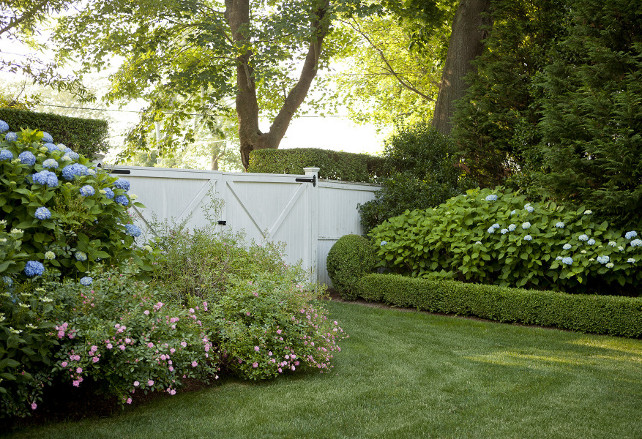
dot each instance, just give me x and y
(207, 58)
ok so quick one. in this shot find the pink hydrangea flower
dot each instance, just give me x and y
(34, 405)
(255, 365)
(136, 384)
(256, 348)
(194, 364)
(150, 383)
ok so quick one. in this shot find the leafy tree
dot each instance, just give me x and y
(19, 20)
(396, 58)
(193, 56)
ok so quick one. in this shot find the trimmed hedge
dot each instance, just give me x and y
(349, 259)
(85, 136)
(612, 315)
(334, 165)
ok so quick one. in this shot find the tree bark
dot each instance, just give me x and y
(237, 13)
(464, 46)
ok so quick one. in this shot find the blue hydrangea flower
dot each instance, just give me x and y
(72, 171)
(87, 190)
(567, 260)
(513, 212)
(583, 238)
(45, 178)
(8, 281)
(71, 153)
(512, 227)
(5, 154)
(81, 256)
(11, 136)
(491, 229)
(590, 241)
(121, 183)
(528, 238)
(529, 208)
(27, 158)
(4, 126)
(46, 137)
(34, 268)
(51, 147)
(526, 225)
(86, 281)
(630, 235)
(109, 193)
(559, 225)
(612, 243)
(492, 197)
(567, 246)
(132, 230)
(50, 163)
(559, 258)
(636, 243)
(631, 261)
(504, 231)
(382, 242)
(42, 213)
(122, 199)
(603, 259)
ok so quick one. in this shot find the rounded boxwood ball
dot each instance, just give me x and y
(349, 259)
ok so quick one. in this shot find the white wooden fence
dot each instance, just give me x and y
(305, 214)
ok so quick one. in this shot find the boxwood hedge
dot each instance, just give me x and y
(612, 315)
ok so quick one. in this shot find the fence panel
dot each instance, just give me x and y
(306, 215)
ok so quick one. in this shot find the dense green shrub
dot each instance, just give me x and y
(591, 121)
(350, 258)
(555, 102)
(489, 236)
(333, 165)
(85, 136)
(66, 213)
(264, 317)
(422, 171)
(26, 346)
(621, 316)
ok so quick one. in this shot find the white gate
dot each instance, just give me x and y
(306, 215)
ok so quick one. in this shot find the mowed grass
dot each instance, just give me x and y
(406, 374)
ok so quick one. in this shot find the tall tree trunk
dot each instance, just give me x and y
(464, 46)
(237, 13)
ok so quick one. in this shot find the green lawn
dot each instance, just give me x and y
(408, 375)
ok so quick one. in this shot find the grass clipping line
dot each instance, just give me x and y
(612, 315)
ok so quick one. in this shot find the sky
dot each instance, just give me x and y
(336, 133)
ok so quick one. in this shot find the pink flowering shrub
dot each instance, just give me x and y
(273, 325)
(117, 333)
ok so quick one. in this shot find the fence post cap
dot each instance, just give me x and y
(312, 171)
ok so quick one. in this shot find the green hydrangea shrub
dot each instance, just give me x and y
(494, 237)
(350, 258)
(67, 213)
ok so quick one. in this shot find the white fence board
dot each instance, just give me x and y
(308, 218)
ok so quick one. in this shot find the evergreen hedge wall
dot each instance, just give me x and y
(334, 165)
(85, 136)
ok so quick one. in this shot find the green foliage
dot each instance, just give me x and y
(555, 103)
(26, 347)
(495, 122)
(333, 165)
(422, 167)
(495, 237)
(591, 124)
(621, 316)
(54, 224)
(349, 259)
(264, 318)
(85, 136)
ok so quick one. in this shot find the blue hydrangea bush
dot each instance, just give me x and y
(497, 237)
(69, 214)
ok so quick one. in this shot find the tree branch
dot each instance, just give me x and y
(388, 67)
(38, 7)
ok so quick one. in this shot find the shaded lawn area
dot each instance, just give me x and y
(407, 375)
